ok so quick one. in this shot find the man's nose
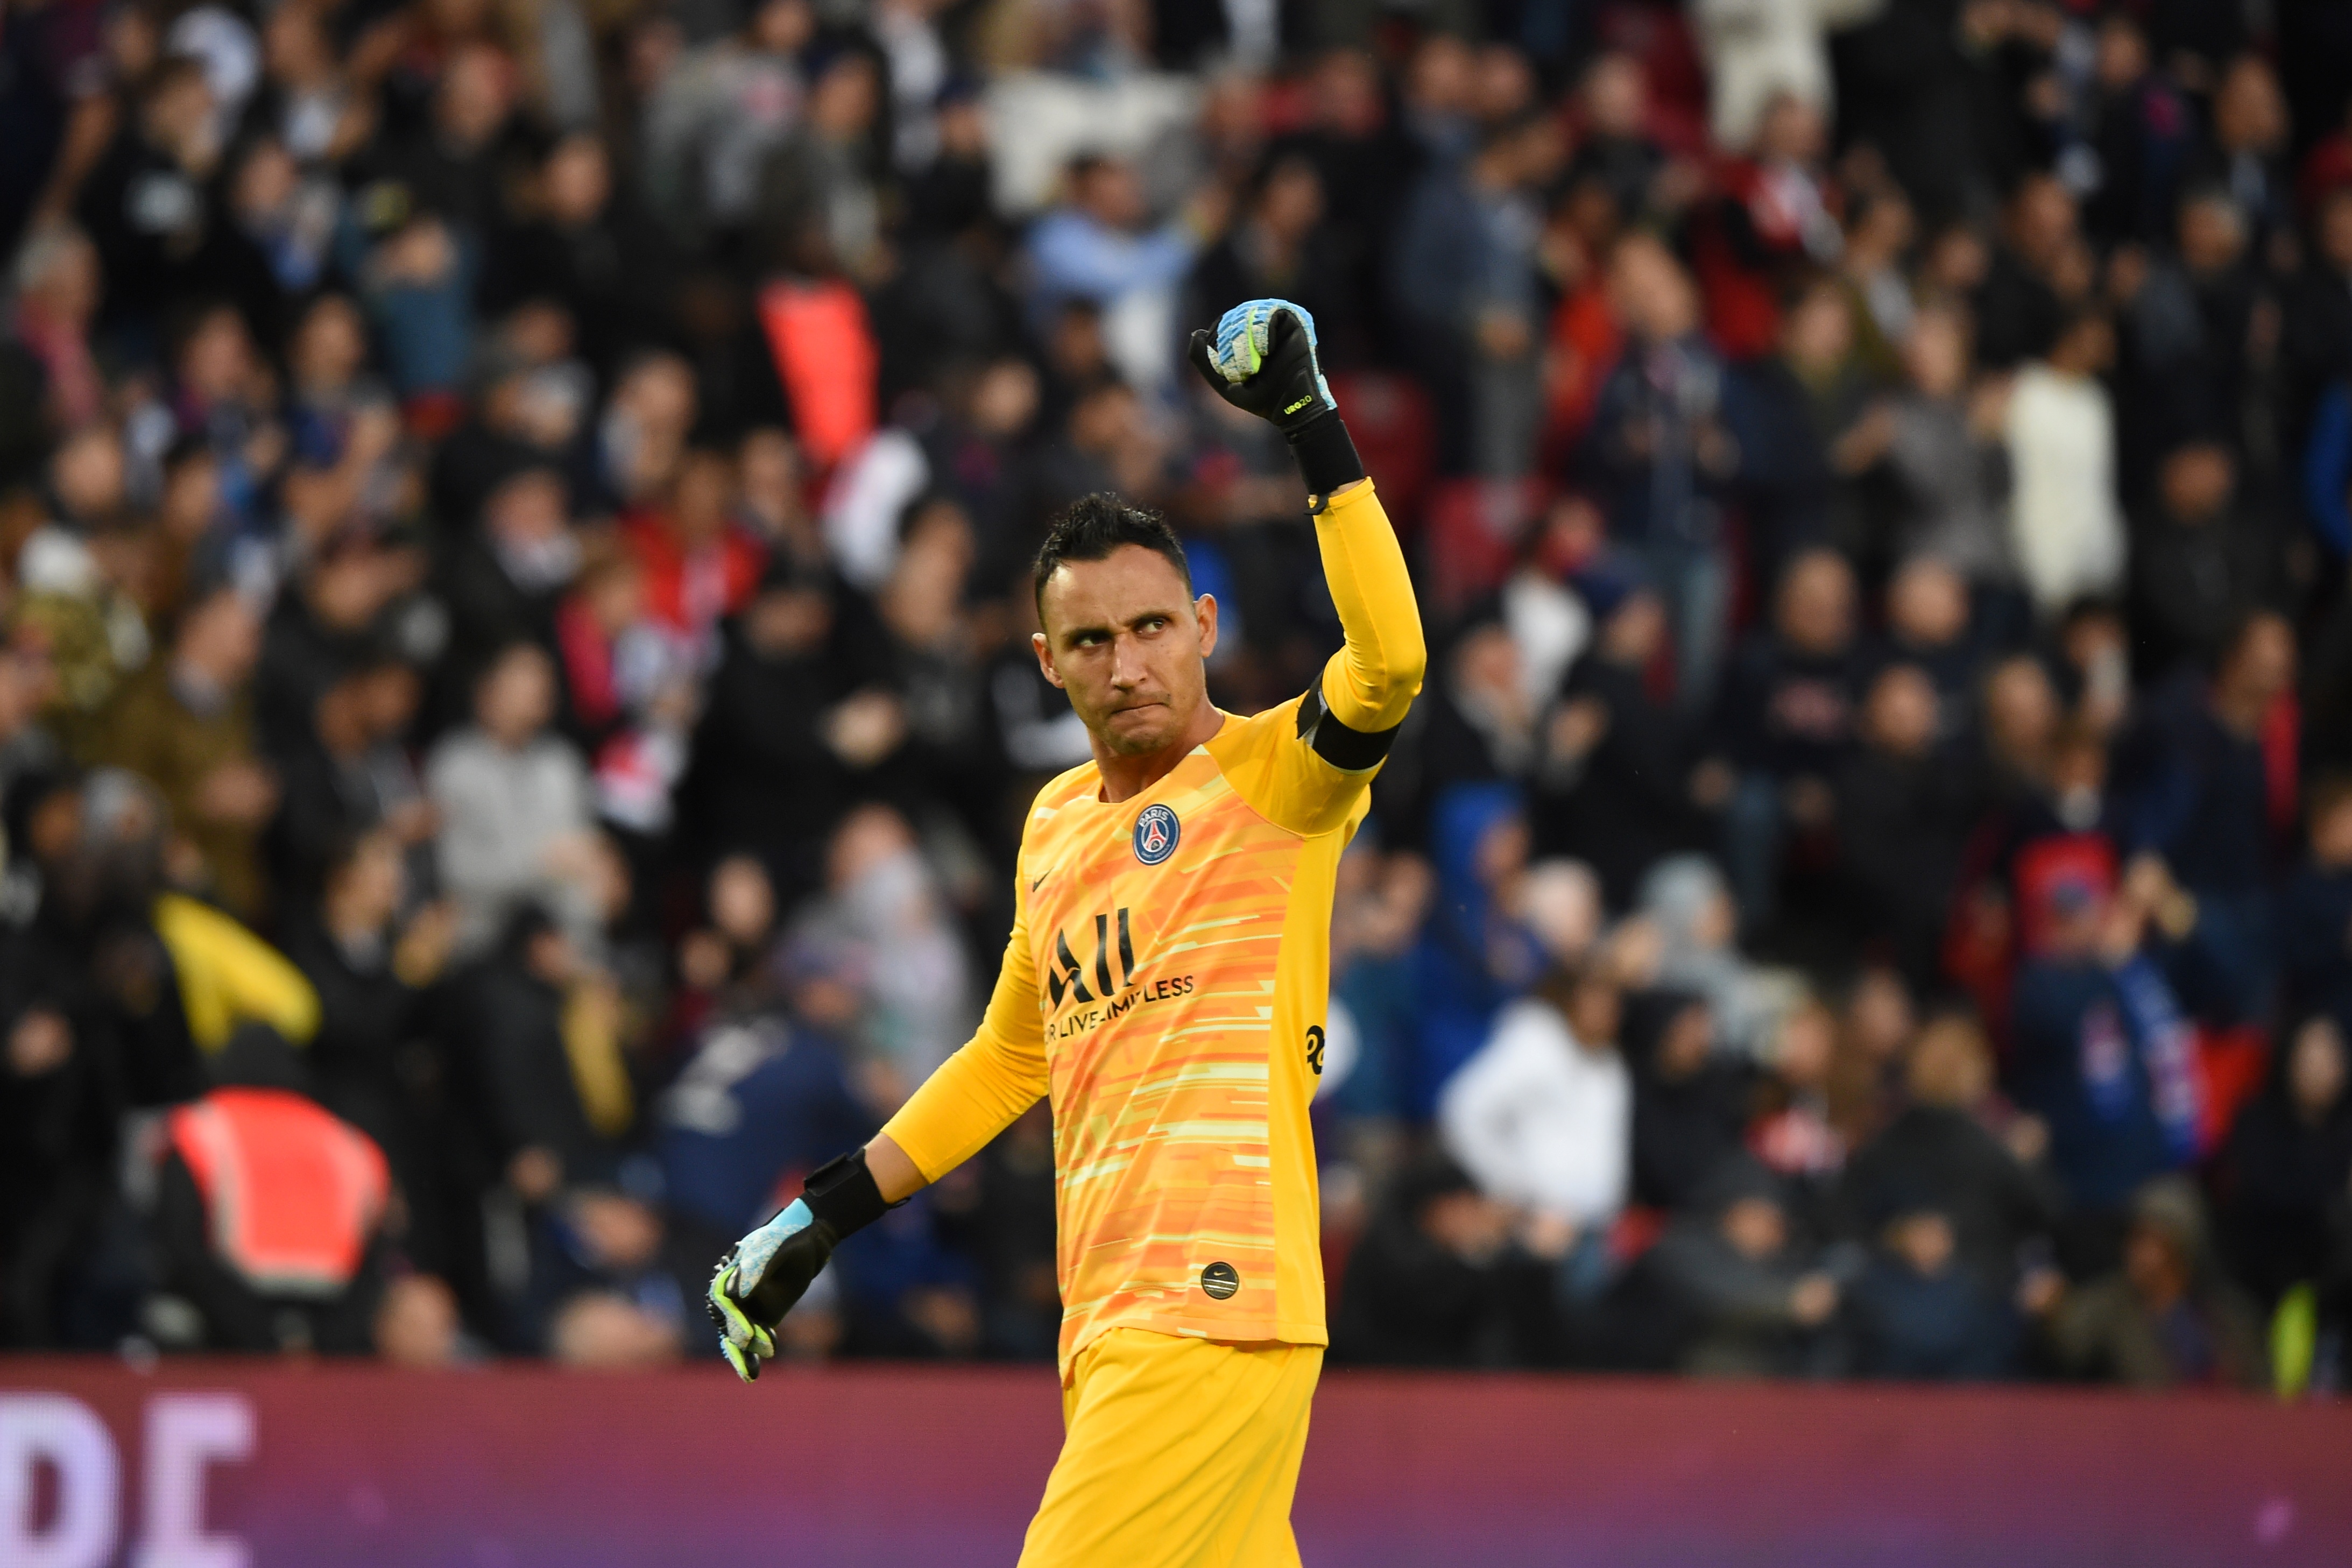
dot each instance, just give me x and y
(1125, 662)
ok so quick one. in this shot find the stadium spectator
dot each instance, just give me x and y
(553, 1086)
(1918, 1315)
(269, 1211)
(57, 287)
(1794, 414)
(371, 954)
(1688, 906)
(1789, 1127)
(2287, 1163)
(2206, 792)
(1786, 721)
(1690, 1106)
(1757, 53)
(1730, 1269)
(1659, 455)
(1932, 624)
(1093, 247)
(793, 718)
(2100, 1052)
(883, 924)
(1542, 1117)
(2167, 1318)
(1904, 815)
(1615, 755)
(1466, 278)
(2039, 268)
(513, 800)
(2063, 505)
(1438, 1280)
(1939, 1156)
(185, 723)
(2199, 570)
(1943, 454)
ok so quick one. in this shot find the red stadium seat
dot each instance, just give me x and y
(1395, 435)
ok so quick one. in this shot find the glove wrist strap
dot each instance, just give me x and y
(841, 1195)
(1326, 453)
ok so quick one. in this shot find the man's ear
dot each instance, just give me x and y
(1204, 610)
(1045, 656)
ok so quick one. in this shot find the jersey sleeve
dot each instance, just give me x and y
(1306, 766)
(998, 1074)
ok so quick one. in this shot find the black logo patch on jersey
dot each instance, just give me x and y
(1220, 1280)
(1156, 832)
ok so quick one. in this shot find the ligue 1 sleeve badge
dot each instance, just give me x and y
(1156, 832)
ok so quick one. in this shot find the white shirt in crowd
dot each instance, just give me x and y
(1539, 1121)
(500, 810)
(1757, 49)
(2069, 535)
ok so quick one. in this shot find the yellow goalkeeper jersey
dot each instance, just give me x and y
(1166, 983)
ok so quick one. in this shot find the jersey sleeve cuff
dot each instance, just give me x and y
(1326, 454)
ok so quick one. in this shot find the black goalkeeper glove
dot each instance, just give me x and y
(763, 1275)
(1261, 359)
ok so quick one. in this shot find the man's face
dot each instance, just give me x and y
(519, 698)
(1113, 195)
(1130, 645)
(2154, 1265)
(1924, 1240)
(1755, 1229)
(2263, 664)
(222, 638)
(2197, 481)
(1817, 604)
(1901, 714)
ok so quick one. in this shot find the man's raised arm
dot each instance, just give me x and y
(1262, 358)
(1371, 682)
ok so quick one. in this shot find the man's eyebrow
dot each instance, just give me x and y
(1100, 629)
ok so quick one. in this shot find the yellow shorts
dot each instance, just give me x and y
(1179, 1453)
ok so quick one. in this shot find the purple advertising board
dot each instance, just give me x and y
(258, 1465)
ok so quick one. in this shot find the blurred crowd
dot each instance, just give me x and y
(516, 705)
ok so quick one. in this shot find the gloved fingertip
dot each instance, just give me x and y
(1202, 355)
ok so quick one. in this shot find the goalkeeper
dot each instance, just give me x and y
(1165, 984)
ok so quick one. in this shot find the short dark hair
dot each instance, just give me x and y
(1091, 527)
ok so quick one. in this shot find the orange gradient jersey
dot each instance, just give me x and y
(1166, 983)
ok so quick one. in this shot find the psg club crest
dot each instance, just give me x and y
(1156, 832)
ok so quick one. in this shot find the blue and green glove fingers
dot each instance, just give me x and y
(768, 1271)
(1261, 359)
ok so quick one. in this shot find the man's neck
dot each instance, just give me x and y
(1125, 777)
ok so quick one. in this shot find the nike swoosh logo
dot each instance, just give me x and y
(1040, 881)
